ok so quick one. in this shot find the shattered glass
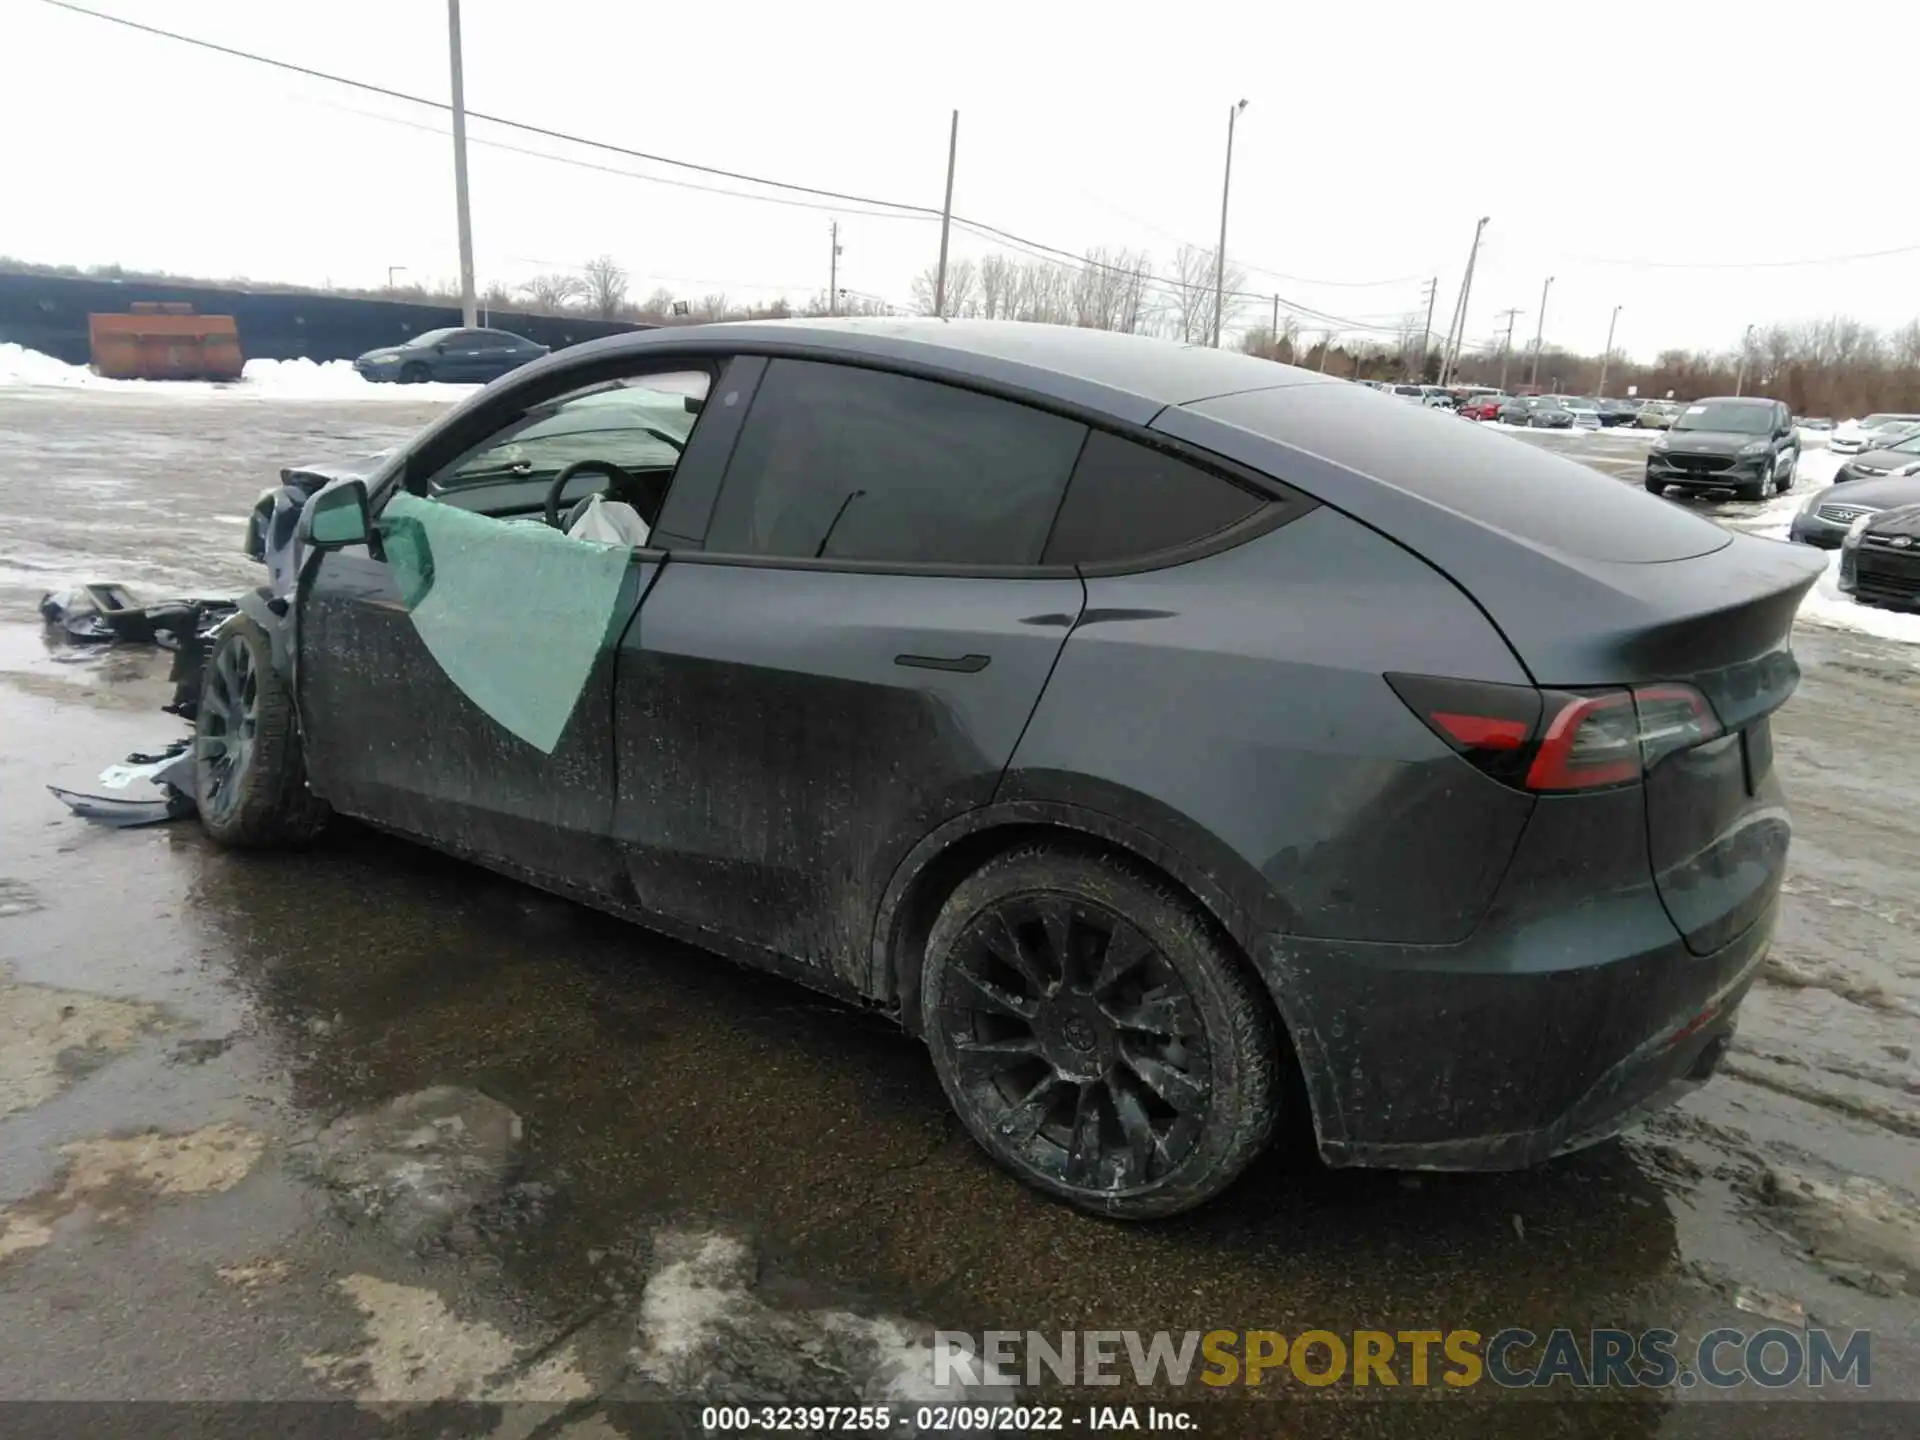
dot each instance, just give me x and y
(516, 615)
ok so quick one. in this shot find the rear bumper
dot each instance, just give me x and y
(1453, 1059)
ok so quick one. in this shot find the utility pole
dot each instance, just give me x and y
(1607, 358)
(1539, 329)
(1458, 331)
(1220, 255)
(946, 219)
(1426, 333)
(1746, 341)
(460, 166)
(833, 271)
(1506, 347)
(1326, 349)
(1273, 333)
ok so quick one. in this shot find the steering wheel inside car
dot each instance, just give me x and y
(622, 480)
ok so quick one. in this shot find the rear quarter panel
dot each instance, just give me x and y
(1234, 707)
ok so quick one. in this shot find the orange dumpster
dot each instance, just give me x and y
(165, 341)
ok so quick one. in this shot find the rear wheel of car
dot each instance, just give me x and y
(249, 772)
(1096, 1034)
(414, 372)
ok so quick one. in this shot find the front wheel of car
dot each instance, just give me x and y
(1656, 487)
(249, 771)
(414, 372)
(1097, 1035)
(1785, 481)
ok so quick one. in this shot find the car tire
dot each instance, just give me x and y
(249, 768)
(1753, 489)
(1785, 482)
(1134, 1092)
(414, 372)
(1656, 487)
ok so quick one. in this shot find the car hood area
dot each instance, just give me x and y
(1709, 442)
(1903, 520)
(1883, 491)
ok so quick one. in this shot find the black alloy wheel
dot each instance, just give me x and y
(227, 726)
(1094, 1035)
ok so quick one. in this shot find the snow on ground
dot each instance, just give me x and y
(21, 368)
(1817, 467)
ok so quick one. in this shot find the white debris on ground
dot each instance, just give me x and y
(21, 368)
(705, 1332)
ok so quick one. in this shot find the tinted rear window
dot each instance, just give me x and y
(1127, 500)
(1500, 480)
(837, 462)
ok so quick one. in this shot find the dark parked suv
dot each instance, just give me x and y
(1740, 443)
(1133, 722)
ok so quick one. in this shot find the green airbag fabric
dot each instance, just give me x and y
(515, 614)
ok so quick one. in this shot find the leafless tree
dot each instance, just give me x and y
(552, 292)
(711, 307)
(962, 280)
(1192, 305)
(604, 286)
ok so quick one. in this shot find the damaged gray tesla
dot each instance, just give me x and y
(1136, 723)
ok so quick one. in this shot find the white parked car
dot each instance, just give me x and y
(1850, 437)
(1585, 412)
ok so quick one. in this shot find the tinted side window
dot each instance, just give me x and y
(1128, 500)
(853, 464)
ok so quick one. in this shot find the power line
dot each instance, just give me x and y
(520, 125)
(578, 163)
(1749, 264)
(567, 138)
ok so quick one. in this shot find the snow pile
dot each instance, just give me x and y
(1816, 467)
(334, 380)
(21, 368)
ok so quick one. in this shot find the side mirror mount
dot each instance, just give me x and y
(337, 517)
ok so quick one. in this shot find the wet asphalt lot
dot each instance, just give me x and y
(368, 1124)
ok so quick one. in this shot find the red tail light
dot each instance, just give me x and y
(1559, 740)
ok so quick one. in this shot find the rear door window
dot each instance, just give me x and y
(1127, 500)
(841, 463)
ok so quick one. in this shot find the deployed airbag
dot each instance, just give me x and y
(460, 575)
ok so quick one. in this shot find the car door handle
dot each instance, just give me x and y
(965, 664)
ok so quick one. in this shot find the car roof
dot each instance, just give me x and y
(1749, 400)
(1132, 377)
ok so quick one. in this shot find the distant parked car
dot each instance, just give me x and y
(1830, 513)
(1437, 397)
(1883, 460)
(1819, 423)
(1618, 412)
(1584, 410)
(1854, 436)
(1880, 559)
(460, 356)
(1743, 444)
(1412, 394)
(1483, 407)
(1656, 415)
(1544, 412)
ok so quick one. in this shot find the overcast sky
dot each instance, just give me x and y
(1646, 157)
